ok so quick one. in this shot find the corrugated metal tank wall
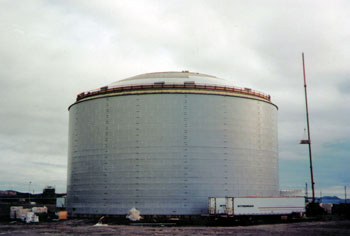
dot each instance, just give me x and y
(167, 153)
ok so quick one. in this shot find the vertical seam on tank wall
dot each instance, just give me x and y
(185, 148)
(225, 162)
(106, 154)
(137, 140)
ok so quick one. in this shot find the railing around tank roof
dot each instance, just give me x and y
(161, 85)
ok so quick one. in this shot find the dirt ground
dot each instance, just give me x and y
(78, 227)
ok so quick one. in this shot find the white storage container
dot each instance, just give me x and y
(238, 206)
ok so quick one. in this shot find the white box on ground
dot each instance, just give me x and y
(239, 206)
(268, 205)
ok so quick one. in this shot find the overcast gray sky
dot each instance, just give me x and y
(52, 50)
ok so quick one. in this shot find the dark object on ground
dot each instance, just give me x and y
(314, 209)
(341, 210)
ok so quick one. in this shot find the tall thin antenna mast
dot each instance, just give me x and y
(308, 141)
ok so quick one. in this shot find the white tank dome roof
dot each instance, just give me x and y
(173, 82)
(172, 77)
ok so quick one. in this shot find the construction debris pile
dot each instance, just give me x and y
(28, 215)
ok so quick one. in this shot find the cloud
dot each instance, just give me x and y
(51, 51)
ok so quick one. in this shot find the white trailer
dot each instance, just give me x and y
(256, 206)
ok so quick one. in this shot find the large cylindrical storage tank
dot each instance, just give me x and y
(165, 142)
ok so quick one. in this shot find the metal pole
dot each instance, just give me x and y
(308, 133)
(30, 182)
(306, 194)
(345, 193)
